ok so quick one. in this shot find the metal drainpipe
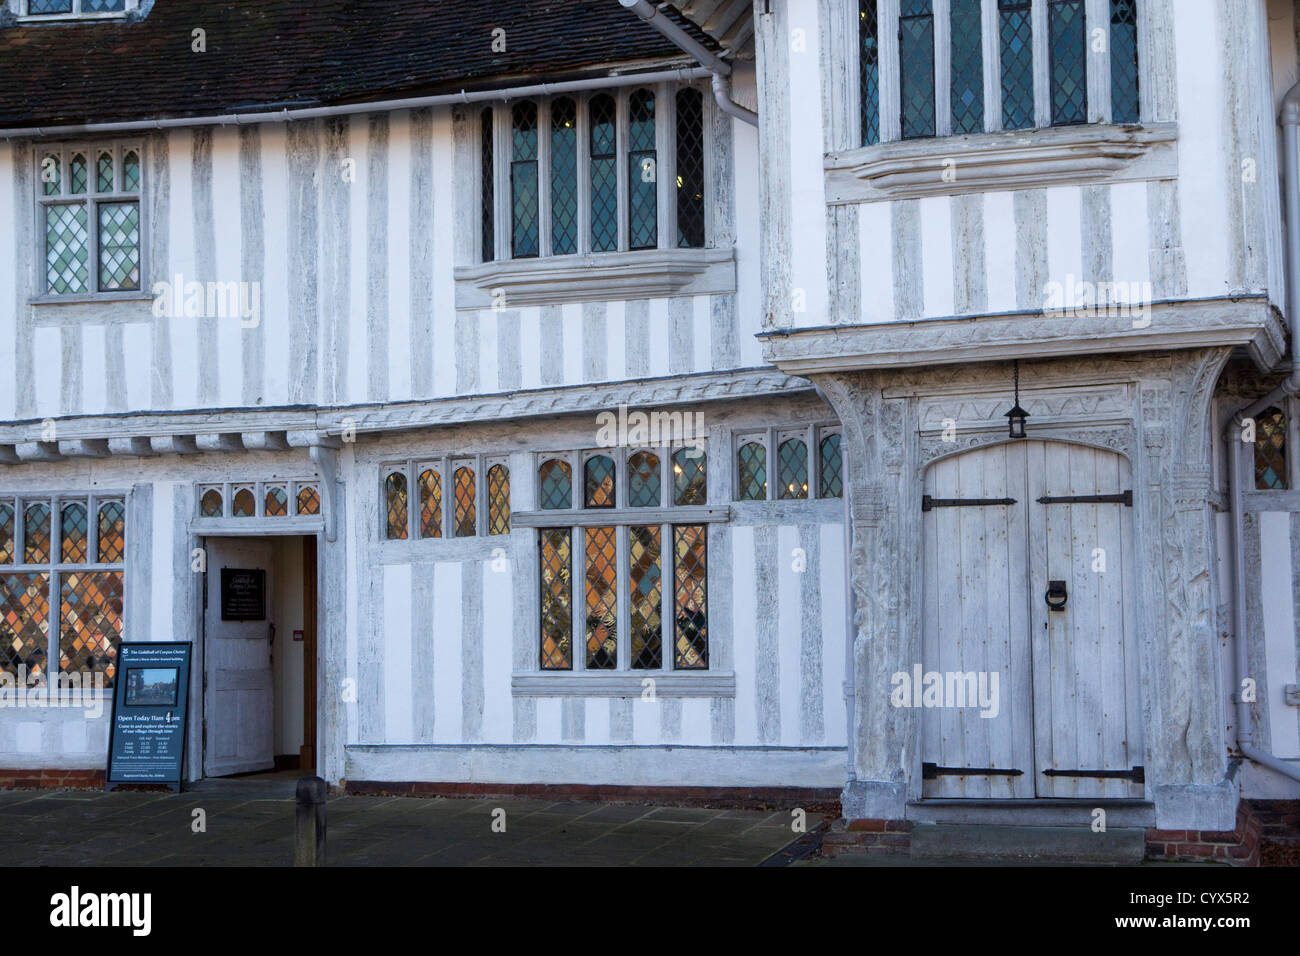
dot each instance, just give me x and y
(1290, 119)
(720, 68)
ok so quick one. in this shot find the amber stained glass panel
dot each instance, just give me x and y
(430, 504)
(24, 623)
(602, 598)
(498, 500)
(395, 505)
(112, 532)
(557, 599)
(466, 515)
(72, 526)
(645, 597)
(690, 597)
(36, 534)
(91, 623)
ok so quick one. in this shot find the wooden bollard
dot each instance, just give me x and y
(309, 839)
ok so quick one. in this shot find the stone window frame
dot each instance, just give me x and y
(55, 567)
(445, 466)
(771, 439)
(22, 10)
(227, 489)
(91, 199)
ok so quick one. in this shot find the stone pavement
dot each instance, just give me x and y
(252, 824)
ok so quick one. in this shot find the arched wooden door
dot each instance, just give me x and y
(1027, 681)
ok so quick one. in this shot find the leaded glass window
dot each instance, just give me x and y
(525, 217)
(395, 505)
(1016, 40)
(967, 66)
(498, 500)
(792, 465)
(487, 187)
(603, 148)
(8, 534)
(36, 534)
(276, 504)
(564, 176)
(102, 6)
(690, 590)
(832, 467)
(430, 503)
(690, 168)
(210, 505)
(1068, 55)
(73, 528)
(1125, 103)
(645, 597)
(642, 172)
(601, 563)
(599, 482)
(555, 485)
(24, 625)
(245, 503)
(90, 615)
(916, 59)
(91, 220)
(465, 524)
(869, 71)
(308, 500)
(751, 471)
(690, 486)
(643, 480)
(111, 540)
(557, 599)
(1270, 451)
(37, 8)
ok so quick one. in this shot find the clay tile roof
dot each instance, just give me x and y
(273, 54)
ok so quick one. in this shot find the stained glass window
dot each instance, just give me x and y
(245, 503)
(642, 173)
(1125, 102)
(210, 504)
(487, 215)
(1068, 55)
(1270, 451)
(916, 55)
(91, 623)
(564, 176)
(395, 505)
(277, 503)
(104, 173)
(466, 515)
(690, 597)
(430, 503)
(604, 173)
(557, 599)
(751, 464)
(102, 6)
(308, 500)
(967, 67)
(72, 527)
(131, 172)
(689, 478)
(1016, 41)
(67, 253)
(555, 485)
(36, 534)
(832, 468)
(498, 500)
(24, 624)
(80, 174)
(7, 534)
(792, 465)
(645, 597)
(525, 218)
(690, 168)
(643, 480)
(869, 71)
(602, 598)
(599, 482)
(38, 7)
(112, 533)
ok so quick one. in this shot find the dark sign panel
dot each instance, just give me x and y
(147, 743)
(243, 594)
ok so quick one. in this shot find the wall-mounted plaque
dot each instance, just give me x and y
(243, 594)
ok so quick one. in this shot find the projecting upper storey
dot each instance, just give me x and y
(342, 204)
(995, 178)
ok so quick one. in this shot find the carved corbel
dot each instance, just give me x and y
(324, 454)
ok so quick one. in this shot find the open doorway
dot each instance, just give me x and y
(259, 655)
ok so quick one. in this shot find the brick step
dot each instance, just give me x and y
(942, 843)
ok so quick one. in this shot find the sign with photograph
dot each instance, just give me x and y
(150, 694)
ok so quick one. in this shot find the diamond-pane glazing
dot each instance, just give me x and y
(7, 537)
(967, 59)
(832, 468)
(1016, 40)
(119, 246)
(557, 599)
(131, 171)
(602, 598)
(308, 501)
(430, 504)
(395, 507)
(90, 614)
(645, 597)
(869, 71)
(111, 541)
(525, 219)
(792, 469)
(564, 177)
(1125, 100)
(104, 173)
(689, 479)
(751, 464)
(67, 253)
(690, 169)
(1270, 451)
(51, 174)
(599, 483)
(210, 504)
(102, 6)
(916, 56)
(604, 174)
(643, 480)
(24, 624)
(555, 485)
(465, 515)
(643, 173)
(80, 174)
(39, 7)
(1067, 48)
(245, 505)
(36, 534)
(276, 504)
(498, 500)
(487, 184)
(72, 528)
(690, 597)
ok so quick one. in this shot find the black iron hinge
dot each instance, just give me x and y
(930, 771)
(929, 504)
(1137, 774)
(1123, 498)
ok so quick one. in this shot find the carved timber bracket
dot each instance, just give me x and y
(324, 454)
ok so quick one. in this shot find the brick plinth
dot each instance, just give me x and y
(1239, 847)
(745, 798)
(867, 836)
(51, 780)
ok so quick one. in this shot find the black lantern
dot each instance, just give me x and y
(1016, 417)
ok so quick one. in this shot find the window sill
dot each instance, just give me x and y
(622, 684)
(97, 298)
(647, 274)
(1021, 159)
(600, 517)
